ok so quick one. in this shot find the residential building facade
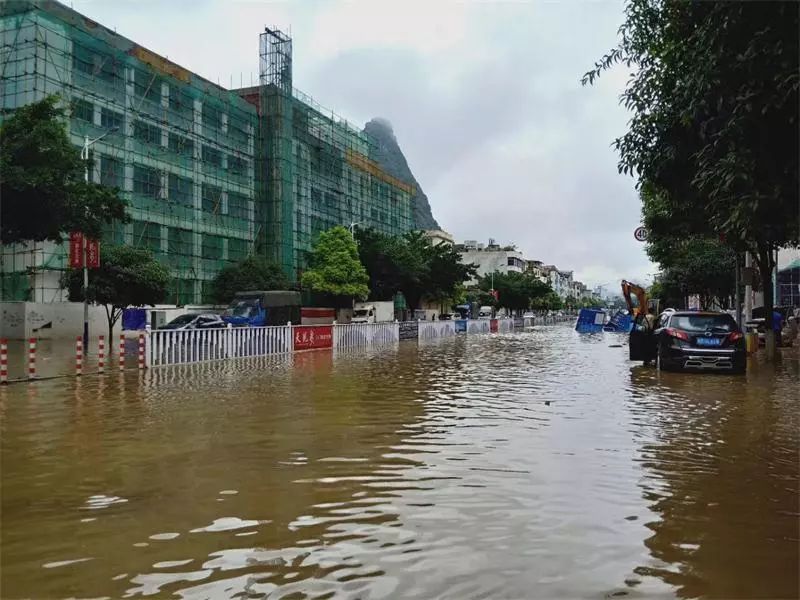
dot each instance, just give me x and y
(491, 258)
(210, 175)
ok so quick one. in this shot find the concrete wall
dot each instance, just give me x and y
(57, 320)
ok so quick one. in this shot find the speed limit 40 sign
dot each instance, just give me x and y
(640, 233)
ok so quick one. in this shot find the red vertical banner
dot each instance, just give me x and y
(76, 250)
(92, 254)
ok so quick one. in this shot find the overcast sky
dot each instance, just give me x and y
(484, 98)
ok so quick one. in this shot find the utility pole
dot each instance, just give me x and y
(737, 293)
(748, 287)
(85, 157)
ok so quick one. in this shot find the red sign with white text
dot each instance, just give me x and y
(92, 254)
(313, 337)
(76, 250)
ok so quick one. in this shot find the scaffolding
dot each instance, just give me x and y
(210, 175)
(179, 148)
(318, 173)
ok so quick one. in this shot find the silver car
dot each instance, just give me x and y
(195, 321)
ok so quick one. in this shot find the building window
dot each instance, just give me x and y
(112, 172)
(237, 249)
(147, 235)
(212, 247)
(146, 181)
(180, 101)
(212, 199)
(180, 189)
(212, 116)
(96, 64)
(147, 84)
(110, 119)
(83, 110)
(212, 156)
(238, 205)
(180, 145)
(180, 246)
(147, 133)
(237, 165)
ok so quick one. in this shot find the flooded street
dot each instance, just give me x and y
(528, 465)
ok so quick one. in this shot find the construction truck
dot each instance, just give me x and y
(644, 313)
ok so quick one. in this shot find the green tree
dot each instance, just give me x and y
(550, 301)
(253, 273)
(446, 274)
(714, 136)
(42, 187)
(127, 276)
(334, 266)
(385, 260)
(516, 291)
(413, 265)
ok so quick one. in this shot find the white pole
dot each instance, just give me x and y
(85, 157)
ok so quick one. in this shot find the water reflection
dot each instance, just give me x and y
(723, 477)
(517, 465)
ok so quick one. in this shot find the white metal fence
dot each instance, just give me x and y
(505, 325)
(435, 330)
(365, 335)
(167, 347)
(478, 326)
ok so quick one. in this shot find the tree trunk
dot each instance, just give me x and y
(766, 262)
(109, 319)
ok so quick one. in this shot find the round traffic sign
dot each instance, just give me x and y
(640, 233)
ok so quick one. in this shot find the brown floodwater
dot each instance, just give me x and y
(529, 465)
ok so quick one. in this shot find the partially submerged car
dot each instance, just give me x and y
(691, 340)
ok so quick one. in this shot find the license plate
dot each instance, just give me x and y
(708, 341)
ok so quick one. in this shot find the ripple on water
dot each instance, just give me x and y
(229, 524)
(541, 464)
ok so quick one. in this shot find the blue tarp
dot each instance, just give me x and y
(621, 322)
(590, 320)
(134, 319)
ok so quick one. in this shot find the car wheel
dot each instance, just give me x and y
(662, 363)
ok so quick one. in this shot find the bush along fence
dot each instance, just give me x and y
(176, 347)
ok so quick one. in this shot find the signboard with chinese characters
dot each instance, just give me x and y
(92, 254)
(313, 337)
(76, 250)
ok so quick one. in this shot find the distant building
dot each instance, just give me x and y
(439, 236)
(536, 269)
(491, 258)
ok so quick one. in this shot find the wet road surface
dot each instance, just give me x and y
(529, 465)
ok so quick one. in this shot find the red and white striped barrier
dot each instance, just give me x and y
(32, 358)
(141, 351)
(79, 355)
(101, 354)
(121, 351)
(3, 361)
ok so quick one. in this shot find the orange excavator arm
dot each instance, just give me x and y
(629, 288)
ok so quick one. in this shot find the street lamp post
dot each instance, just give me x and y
(85, 157)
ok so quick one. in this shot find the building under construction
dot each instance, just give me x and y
(210, 175)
